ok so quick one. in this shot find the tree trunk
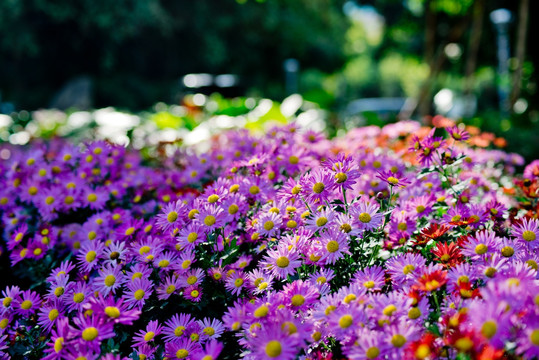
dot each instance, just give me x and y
(473, 46)
(522, 31)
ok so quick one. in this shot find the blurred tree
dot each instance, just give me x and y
(136, 50)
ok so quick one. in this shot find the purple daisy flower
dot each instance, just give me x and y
(405, 269)
(236, 282)
(271, 342)
(321, 220)
(28, 302)
(60, 336)
(479, 246)
(393, 179)
(371, 278)
(172, 216)
(89, 333)
(170, 286)
(368, 346)
(153, 329)
(268, 225)
(211, 217)
(345, 319)
(51, 314)
(115, 311)
(89, 255)
(192, 235)
(457, 133)
(211, 328)
(527, 232)
(78, 296)
(335, 246)
(300, 295)
(177, 327)
(282, 262)
(318, 186)
(211, 350)
(366, 215)
(182, 349)
(109, 280)
(138, 291)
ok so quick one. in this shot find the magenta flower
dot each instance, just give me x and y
(27, 304)
(153, 329)
(527, 232)
(177, 327)
(138, 291)
(282, 262)
(318, 186)
(89, 333)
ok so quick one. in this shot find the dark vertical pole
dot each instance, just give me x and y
(501, 19)
(291, 70)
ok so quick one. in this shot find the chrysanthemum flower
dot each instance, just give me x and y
(527, 232)
(183, 349)
(138, 291)
(150, 333)
(109, 280)
(211, 328)
(318, 186)
(366, 215)
(371, 278)
(393, 179)
(300, 295)
(177, 327)
(28, 302)
(172, 216)
(89, 255)
(281, 262)
(268, 225)
(89, 333)
(334, 246)
(272, 343)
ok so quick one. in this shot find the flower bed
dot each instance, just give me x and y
(394, 243)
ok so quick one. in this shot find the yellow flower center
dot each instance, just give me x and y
(298, 300)
(233, 209)
(179, 331)
(90, 334)
(296, 189)
(171, 289)
(268, 225)
(209, 220)
(172, 216)
(149, 336)
(209, 331)
(182, 354)
(346, 321)
(481, 249)
(490, 272)
(53, 314)
(112, 311)
(372, 352)
(139, 294)
(408, 269)
(129, 231)
(273, 349)
(389, 310)
(282, 262)
(254, 190)
(195, 294)
(191, 280)
(318, 187)
(422, 352)
(293, 159)
(419, 209)
(464, 344)
(364, 218)
(78, 297)
(341, 177)
(110, 280)
(392, 180)
(91, 197)
(26, 304)
(163, 263)
(414, 313)
(321, 221)
(398, 340)
(332, 246)
(58, 344)
(213, 198)
(528, 235)
(261, 311)
(507, 251)
(489, 329)
(369, 284)
(534, 337)
(238, 282)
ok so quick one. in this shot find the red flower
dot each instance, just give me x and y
(435, 231)
(448, 254)
(423, 348)
(432, 281)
